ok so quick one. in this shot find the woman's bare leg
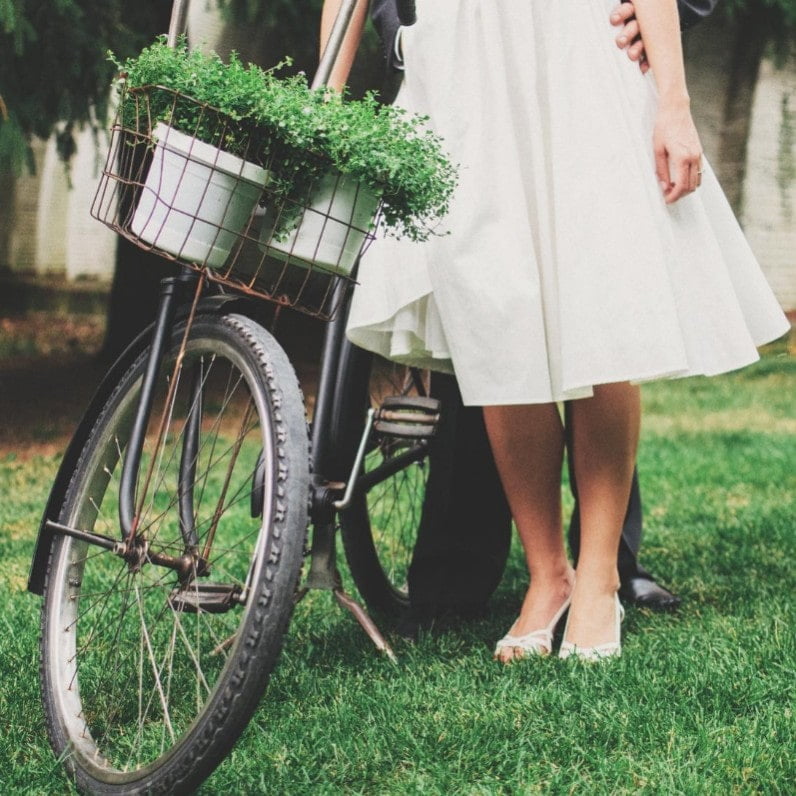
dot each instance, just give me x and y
(528, 444)
(604, 431)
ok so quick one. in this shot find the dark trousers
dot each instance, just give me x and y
(465, 528)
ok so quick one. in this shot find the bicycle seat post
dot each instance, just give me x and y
(178, 22)
(335, 43)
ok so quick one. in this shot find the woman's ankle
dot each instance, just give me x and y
(597, 581)
(553, 575)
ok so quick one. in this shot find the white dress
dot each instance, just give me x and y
(564, 268)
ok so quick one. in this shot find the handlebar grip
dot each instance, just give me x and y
(407, 12)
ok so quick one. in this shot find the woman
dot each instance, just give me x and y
(581, 260)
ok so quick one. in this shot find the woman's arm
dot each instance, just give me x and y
(624, 17)
(351, 42)
(678, 151)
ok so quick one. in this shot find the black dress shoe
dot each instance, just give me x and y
(643, 591)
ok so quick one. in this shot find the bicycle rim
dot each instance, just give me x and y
(149, 672)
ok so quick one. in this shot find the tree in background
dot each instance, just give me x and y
(757, 27)
(54, 77)
(54, 72)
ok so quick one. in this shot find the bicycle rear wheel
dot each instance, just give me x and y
(380, 528)
(150, 671)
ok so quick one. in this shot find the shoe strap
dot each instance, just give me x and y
(530, 642)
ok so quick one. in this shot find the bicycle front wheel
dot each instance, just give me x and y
(153, 665)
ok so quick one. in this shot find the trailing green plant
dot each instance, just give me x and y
(395, 154)
(298, 133)
(204, 97)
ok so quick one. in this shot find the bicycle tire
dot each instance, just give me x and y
(146, 681)
(379, 529)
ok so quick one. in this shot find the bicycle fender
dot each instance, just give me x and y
(41, 555)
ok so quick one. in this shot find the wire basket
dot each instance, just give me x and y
(168, 188)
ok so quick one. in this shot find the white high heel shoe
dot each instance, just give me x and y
(611, 649)
(537, 642)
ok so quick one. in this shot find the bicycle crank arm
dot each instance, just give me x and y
(366, 482)
(204, 597)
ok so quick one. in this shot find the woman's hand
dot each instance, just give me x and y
(678, 151)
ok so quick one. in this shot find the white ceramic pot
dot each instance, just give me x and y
(196, 199)
(332, 229)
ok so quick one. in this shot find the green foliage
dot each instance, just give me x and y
(299, 134)
(783, 11)
(393, 153)
(289, 15)
(701, 702)
(53, 67)
(773, 20)
(214, 101)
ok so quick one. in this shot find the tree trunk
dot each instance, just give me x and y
(748, 47)
(134, 296)
(7, 192)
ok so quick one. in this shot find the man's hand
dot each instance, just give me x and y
(629, 38)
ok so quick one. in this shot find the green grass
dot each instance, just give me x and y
(700, 702)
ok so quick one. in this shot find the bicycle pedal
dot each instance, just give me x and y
(209, 598)
(410, 417)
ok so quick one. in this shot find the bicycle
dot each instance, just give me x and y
(170, 551)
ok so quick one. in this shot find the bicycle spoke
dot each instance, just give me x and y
(138, 639)
(156, 674)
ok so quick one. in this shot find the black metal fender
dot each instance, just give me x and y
(212, 304)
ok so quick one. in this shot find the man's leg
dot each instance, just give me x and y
(465, 529)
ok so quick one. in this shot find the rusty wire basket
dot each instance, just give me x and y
(168, 188)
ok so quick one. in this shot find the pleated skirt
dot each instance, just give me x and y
(559, 266)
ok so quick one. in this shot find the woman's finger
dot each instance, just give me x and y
(682, 180)
(636, 51)
(693, 177)
(662, 169)
(697, 171)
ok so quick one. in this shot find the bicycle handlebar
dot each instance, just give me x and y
(407, 12)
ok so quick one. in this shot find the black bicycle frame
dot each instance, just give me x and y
(330, 465)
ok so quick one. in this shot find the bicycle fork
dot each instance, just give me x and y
(133, 547)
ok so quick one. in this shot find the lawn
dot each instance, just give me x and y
(701, 701)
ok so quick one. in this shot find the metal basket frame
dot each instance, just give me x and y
(261, 263)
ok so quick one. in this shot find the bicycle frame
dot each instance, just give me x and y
(332, 468)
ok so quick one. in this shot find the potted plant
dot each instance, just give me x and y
(329, 162)
(366, 155)
(206, 173)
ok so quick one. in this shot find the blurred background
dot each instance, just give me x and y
(71, 295)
